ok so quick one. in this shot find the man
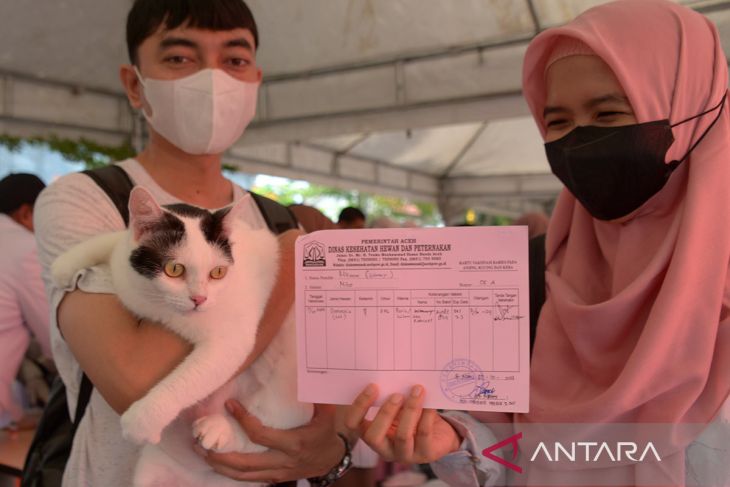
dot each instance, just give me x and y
(193, 73)
(351, 217)
(23, 304)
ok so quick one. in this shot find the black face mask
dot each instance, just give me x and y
(612, 171)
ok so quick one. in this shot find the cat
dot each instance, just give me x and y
(207, 277)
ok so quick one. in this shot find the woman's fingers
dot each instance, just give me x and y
(424, 434)
(355, 414)
(401, 430)
(404, 438)
(377, 434)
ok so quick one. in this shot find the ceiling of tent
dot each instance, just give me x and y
(418, 98)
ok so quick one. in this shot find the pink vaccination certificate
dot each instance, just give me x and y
(447, 308)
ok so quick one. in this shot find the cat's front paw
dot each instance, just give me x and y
(140, 426)
(214, 432)
(63, 271)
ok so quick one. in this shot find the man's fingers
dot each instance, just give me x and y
(248, 462)
(408, 422)
(288, 441)
(257, 432)
(355, 413)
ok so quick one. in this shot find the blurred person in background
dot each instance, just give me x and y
(351, 217)
(23, 302)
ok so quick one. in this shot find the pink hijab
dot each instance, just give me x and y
(636, 325)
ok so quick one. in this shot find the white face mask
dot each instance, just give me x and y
(204, 113)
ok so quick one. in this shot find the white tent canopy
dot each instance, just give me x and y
(417, 98)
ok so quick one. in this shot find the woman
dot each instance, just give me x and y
(636, 325)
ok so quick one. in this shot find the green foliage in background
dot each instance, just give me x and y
(83, 150)
(374, 206)
(400, 210)
(292, 193)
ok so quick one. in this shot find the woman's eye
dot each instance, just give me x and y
(218, 272)
(609, 114)
(174, 269)
(556, 123)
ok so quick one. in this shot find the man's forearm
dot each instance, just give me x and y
(123, 357)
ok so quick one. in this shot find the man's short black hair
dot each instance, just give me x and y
(146, 17)
(351, 214)
(19, 189)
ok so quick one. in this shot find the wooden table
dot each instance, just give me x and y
(13, 449)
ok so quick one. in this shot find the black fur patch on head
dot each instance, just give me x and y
(212, 227)
(156, 247)
(189, 211)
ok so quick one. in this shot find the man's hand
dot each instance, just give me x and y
(402, 431)
(310, 450)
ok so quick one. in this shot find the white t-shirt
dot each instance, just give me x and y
(69, 211)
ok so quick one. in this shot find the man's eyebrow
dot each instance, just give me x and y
(241, 42)
(176, 41)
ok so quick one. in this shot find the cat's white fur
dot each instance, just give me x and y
(188, 404)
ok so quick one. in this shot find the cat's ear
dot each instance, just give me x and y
(143, 211)
(244, 209)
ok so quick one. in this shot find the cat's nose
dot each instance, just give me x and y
(198, 300)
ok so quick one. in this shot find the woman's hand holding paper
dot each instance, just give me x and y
(402, 430)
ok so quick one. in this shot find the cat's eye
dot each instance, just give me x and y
(174, 269)
(218, 272)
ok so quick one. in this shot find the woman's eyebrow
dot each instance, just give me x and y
(592, 103)
(552, 109)
(609, 98)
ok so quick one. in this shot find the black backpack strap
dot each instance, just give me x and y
(116, 184)
(278, 217)
(536, 253)
(84, 397)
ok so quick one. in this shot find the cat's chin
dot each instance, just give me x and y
(187, 312)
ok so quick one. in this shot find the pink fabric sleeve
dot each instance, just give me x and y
(33, 302)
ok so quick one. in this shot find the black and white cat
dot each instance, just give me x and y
(207, 277)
